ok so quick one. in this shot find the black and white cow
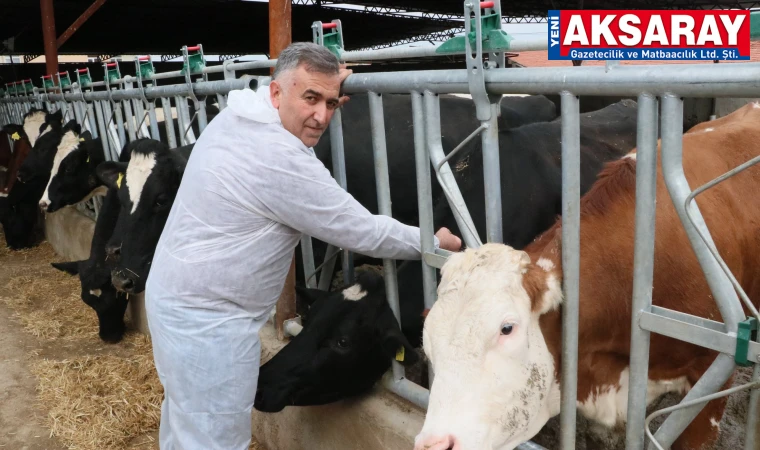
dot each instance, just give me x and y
(36, 123)
(147, 187)
(95, 272)
(345, 347)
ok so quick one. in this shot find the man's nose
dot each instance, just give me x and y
(321, 113)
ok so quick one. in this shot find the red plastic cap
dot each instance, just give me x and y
(63, 73)
(28, 80)
(326, 26)
(143, 58)
(194, 49)
(111, 65)
(486, 5)
(82, 70)
(47, 76)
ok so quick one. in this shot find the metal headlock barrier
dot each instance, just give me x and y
(486, 81)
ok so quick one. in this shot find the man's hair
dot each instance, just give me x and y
(315, 58)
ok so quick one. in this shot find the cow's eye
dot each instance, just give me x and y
(343, 342)
(506, 329)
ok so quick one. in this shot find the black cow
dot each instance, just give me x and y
(531, 200)
(142, 219)
(345, 347)
(458, 120)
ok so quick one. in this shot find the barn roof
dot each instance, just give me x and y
(237, 27)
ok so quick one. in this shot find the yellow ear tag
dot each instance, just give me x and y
(88, 159)
(118, 180)
(400, 354)
(81, 139)
(15, 136)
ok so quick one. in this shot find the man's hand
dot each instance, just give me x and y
(448, 241)
(343, 74)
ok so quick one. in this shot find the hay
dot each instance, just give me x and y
(96, 402)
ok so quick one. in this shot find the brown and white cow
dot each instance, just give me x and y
(494, 335)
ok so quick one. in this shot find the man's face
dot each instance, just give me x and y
(306, 102)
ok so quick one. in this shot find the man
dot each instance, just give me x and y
(251, 187)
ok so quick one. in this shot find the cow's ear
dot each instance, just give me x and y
(71, 267)
(56, 117)
(15, 132)
(544, 287)
(73, 126)
(111, 173)
(86, 135)
(179, 162)
(309, 296)
(396, 346)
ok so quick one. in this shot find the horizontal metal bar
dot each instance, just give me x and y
(247, 65)
(695, 330)
(516, 45)
(406, 389)
(692, 80)
(200, 88)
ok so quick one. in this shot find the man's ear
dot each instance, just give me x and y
(111, 173)
(275, 93)
(396, 346)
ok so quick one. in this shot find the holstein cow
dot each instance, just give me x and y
(95, 272)
(494, 335)
(343, 360)
(73, 176)
(35, 123)
(18, 211)
(147, 187)
(531, 183)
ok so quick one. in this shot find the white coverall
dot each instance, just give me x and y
(249, 190)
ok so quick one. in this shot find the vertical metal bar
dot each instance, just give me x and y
(643, 266)
(571, 222)
(339, 173)
(169, 122)
(425, 207)
(202, 117)
(104, 135)
(187, 127)
(492, 177)
(446, 176)
(382, 180)
(222, 101)
(752, 413)
(130, 119)
(325, 274)
(180, 121)
(154, 131)
(119, 118)
(307, 256)
(93, 118)
(678, 188)
(723, 292)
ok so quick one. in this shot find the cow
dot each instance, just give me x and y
(147, 187)
(531, 184)
(97, 291)
(344, 360)
(18, 211)
(35, 123)
(494, 335)
(136, 250)
(73, 176)
(458, 120)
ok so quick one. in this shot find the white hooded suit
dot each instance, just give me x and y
(249, 190)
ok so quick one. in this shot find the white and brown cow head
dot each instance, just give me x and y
(495, 384)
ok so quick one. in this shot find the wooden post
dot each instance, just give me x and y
(280, 32)
(49, 37)
(79, 22)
